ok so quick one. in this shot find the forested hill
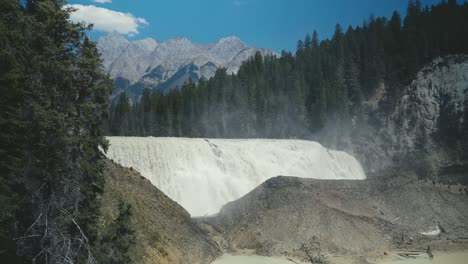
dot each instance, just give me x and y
(55, 97)
(295, 95)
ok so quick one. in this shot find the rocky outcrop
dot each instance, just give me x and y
(165, 231)
(425, 125)
(285, 215)
(429, 116)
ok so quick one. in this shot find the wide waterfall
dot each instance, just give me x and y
(204, 174)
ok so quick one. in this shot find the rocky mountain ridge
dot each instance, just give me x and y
(151, 63)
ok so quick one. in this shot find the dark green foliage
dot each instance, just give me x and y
(119, 123)
(117, 243)
(295, 96)
(54, 99)
(12, 78)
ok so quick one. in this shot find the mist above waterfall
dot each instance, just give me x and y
(204, 174)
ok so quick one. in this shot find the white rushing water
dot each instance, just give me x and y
(204, 174)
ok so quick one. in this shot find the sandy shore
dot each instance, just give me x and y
(252, 259)
(392, 258)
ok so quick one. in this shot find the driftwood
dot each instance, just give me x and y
(410, 253)
(292, 260)
(407, 255)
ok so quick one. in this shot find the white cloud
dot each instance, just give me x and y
(102, 1)
(107, 20)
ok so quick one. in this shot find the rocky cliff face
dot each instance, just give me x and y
(165, 232)
(430, 113)
(427, 123)
(285, 215)
(166, 65)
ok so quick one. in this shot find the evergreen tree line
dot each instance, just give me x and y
(55, 97)
(296, 95)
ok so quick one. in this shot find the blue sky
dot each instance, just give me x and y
(275, 24)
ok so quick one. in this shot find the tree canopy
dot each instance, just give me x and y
(54, 99)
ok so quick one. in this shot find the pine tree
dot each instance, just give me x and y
(12, 75)
(117, 243)
(57, 99)
(147, 112)
(308, 42)
(315, 40)
(121, 125)
(300, 45)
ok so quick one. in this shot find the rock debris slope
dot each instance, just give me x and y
(285, 215)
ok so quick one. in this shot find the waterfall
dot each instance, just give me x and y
(204, 174)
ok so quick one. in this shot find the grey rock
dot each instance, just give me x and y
(153, 64)
(344, 217)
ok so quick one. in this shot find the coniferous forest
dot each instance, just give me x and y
(55, 97)
(295, 95)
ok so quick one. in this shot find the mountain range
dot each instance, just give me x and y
(149, 63)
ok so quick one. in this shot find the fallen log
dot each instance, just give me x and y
(406, 255)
